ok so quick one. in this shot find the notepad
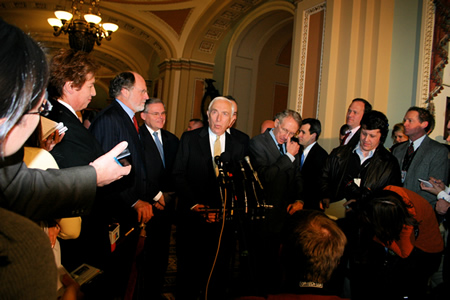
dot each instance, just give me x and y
(336, 210)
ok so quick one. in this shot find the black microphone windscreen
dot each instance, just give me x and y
(225, 157)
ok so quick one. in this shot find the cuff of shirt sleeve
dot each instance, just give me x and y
(443, 195)
(291, 157)
(158, 196)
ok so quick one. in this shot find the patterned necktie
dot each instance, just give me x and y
(135, 124)
(408, 157)
(217, 152)
(411, 149)
(281, 148)
(160, 147)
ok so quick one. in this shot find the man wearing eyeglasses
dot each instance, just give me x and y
(275, 158)
(160, 149)
(130, 201)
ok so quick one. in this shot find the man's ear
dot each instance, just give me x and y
(424, 124)
(276, 123)
(125, 92)
(143, 116)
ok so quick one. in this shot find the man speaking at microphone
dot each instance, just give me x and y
(199, 185)
(276, 160)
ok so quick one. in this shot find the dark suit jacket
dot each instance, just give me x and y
(312, 176)
(160, 178)
(281, 178)
(194, 172)
(78, 147)
(242, 137)
(355, 139)
(111, 127)
(431, 159)
(43, 195)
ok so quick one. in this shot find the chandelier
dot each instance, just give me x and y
(84, 29)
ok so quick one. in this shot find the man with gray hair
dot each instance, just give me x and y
(199, 188)
(160, 148)
(276, 160)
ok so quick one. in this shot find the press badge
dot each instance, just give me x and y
(403, 176)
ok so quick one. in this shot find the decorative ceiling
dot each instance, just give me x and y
(150, 31)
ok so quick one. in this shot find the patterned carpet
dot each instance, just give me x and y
(169, 285)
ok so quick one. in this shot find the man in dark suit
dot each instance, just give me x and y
(276, 160)
(355, 112)
(70, 92)
(198, 231)
(159, 171)
(421, 157)
(129, 199)
(312, 160)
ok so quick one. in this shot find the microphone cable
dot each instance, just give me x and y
(218, 244)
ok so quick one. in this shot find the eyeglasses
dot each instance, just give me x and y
(285, 131)
(43, 110)
(144, 91)
(156, 114)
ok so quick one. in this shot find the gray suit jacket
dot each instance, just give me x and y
(281, 178)
(430, 160)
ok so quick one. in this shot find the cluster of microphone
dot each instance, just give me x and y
(249, 178)
(224, 160)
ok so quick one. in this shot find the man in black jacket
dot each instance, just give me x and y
(350, 170)
(350, 173)
(312, 159)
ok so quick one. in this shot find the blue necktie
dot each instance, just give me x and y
(160, 147)
(302, 161)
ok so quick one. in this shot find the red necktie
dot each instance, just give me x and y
(345, 137)
(135, 124)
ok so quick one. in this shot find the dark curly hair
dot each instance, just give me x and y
(123, 80)
(376, 120)
(69, 65)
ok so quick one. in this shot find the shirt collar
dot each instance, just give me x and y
(67, 105)
(152, 131)
(128, 110)
(354, 130)
(307, 149)
(358, 151)
(212, 139)
(418, 142)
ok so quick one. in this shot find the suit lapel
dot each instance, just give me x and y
(310, 158)
(270, 144)
(419, 156)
